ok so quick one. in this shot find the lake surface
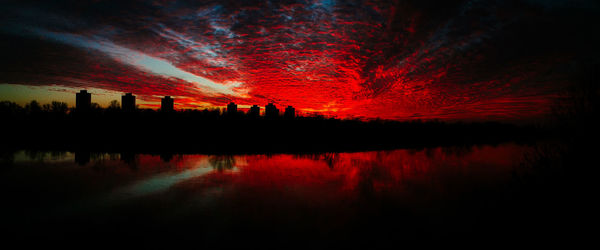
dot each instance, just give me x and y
(378, 196)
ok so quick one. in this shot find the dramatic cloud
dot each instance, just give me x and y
(423, 59)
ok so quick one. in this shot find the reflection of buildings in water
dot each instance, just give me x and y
(130, 159)
(55, 155)
(82, 157)
(362, 175)
(166, 157)
(85, 157)
(35, 155)
(222, 162)
(366, 173)
(114, 156)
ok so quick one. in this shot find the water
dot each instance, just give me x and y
(381, 194)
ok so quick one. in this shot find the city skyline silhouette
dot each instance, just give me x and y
(174, 131)
(319, 124)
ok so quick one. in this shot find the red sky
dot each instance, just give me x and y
(465, 60)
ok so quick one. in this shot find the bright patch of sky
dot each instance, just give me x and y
(140, 60)
(200, 50)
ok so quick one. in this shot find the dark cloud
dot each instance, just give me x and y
(390, 59)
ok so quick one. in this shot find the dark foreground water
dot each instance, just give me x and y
(371, 198)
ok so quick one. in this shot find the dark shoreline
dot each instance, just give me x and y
(186, 132)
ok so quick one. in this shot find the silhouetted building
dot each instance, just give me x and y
(231, 108)
(128, 102)
(254, 111)
(290, 112)
(166, 104)
(83, 101)
(271, 111)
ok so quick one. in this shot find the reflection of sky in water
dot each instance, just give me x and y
(162, 182)
(188, 182)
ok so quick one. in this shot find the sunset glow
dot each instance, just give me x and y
(471, 60)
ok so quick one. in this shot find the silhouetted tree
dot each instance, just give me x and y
(8, 107)
(59, 107)
(95, 106)
(33, 107)
(114, 105)
(316, 133)
(47, 108)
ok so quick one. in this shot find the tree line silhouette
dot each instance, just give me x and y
(55, 126)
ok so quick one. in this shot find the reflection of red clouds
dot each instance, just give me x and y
(349, 175)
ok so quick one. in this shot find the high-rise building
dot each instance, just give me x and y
(271, 111)
(290, 112)
(254, 111)
(231, 109)
(166, 104)
(83, 101)
(128, 102)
